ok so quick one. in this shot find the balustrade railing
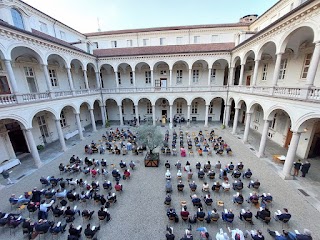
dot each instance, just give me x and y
(8, 99)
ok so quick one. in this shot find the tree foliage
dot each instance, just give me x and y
(150, 136)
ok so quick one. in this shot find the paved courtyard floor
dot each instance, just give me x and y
(140, 212)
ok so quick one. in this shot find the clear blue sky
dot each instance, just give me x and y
(127, 14)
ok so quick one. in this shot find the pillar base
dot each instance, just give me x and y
(286, 177)
(259, 155)
(170, 125)
(39, 165)
(206, 125)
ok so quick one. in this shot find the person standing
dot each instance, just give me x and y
(296, 167)
(305, 168)
(6, 175)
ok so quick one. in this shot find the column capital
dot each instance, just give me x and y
(237, 108)
(84, 70)
(44, 65)
(249, 113)
(57, 119)
(317, 43)
(279, 53)
(91, 109)
(257, 60)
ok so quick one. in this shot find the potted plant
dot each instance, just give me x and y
(151, 137)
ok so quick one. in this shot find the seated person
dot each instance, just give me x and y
(118, 186)
(200, 213)
(57, 212)
(255, 184)
(169, 234)
(112, 197)
(200, 151)
(43, 226)
(263, 213)
(240, 166)
(228, 150)
(247, 174)
(90, 232)
(226, 185)
(123, 165)
(167, 164)
(126, 174)
(36, 195)
(168, 186)
(171, 213)
(223, 174)
(61, 194)
(20, 200)
(198, 165)
(87, 214)
(71, 212)
(267, 197)
(167, 200)
(237, 185)
(184, 212)
(58, 228)
(213, 214)
(236, 174)
(216, 186)
(193, 186)
(246, 215)
(180, 186)
(72, 196)
(230, 167)
(283, 236)
(256, 235)
(227, 215)
(211, 174)
(75, 231)
(132, 165)
(238, 198)
(168, 174)
(205, 187)
(195, 200)
(201, 173)
(253, 198)
(207, 199)
(104, 214)
(282, 215)
(306, 235)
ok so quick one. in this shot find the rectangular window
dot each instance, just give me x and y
(179, 40)
(264, 71)
(43, 27)
(162, 41)
(213, 74)
(129, 43)
(196, 39)
(306, 65)
(119, 78)
(4, 86)
(194, 108)
(283, 69)
(53, 77)
(179, 107)
(131, 78)
(133, 109)
(179, 76)
(214, 38)
(195, 76)
(62, 35)
(148, 76)
(113, 44)
(157, 83)
(31, 80)
(63, 121)
(272, 123)
(211, 108)
(149, 108)
(163, 72)
(257, 114)
(145, 42)
(17, 18)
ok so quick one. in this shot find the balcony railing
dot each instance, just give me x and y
(294, 93)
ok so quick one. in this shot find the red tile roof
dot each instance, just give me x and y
(171, 49)
(157, 29)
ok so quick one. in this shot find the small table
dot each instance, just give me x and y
(279, 158)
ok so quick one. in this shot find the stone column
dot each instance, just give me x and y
(103, 115)
(313, 65)
(79, 126)
(47, 77)
(86, 79)
(154, 115)
(137, 114)
(247, 127)
(235, 120)
(152, 79)
(226, 115)
(170, 76)
(93, 121)
(263, 140)
(171, 114)
(33, 148)
(60, 134)
(134, 78)
(241, 75)
(189, 115)
(120, 114)
(255, 72)
(70, 79)
(117, 80)
(291, 155)
(230, 78)
(206, 116)
(276, 70)
(12, 78)
(98, 80)
(190, 77)
(209, 76)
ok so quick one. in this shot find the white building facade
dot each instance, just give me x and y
(262, 72)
